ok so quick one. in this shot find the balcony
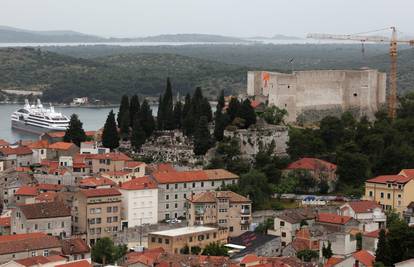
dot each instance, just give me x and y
(245, 211)
(199, 212)
(244, 222)
(379, 217)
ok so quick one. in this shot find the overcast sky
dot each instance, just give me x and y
(120, 18)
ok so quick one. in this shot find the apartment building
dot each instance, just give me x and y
(96, 213)
(174, 240)
(392, 192)
(174, 187)
(224, 209)
(99, 163)
(16, 156)
(53, 218)
(369, 213)
(139, 202)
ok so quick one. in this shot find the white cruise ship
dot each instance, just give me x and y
(38, 119)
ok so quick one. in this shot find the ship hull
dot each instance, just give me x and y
(22, 126)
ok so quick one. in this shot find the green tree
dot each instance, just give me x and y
(220, 100)
(332, 131)
(138, 135)
(327, 251)
(160, 119)
(123, 108)
(247, 113)
(202, 138)
(220, 122)
(187, 105)
(147, 119)
(103, 251)
(307, 255)
(274, 115)
(255, 185)
(358, 238)
(110, 138)
(134, 109)
(382, 254)
(353, 168)
(185, 250)
(178, 116)
(233, 108)
(215, 249)
(195, 250)
(264, 226)
(120, 252)
(124, 127)
(75, 133)
(168, 122)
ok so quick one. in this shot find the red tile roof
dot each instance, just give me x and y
(39, 144)
(250, 258)
(383, 179)
(74, 246)
(407, 172)
(90, 133)
(39, 260)
(61, 145)
(193, 176)
(26, 191)
(5, 221)
(364, 257)
(27, 242)
(102, 192)
(212, 196)
(20, 151)
(373, 234)
(46, 197)
(117, 156)
(332, 218)
(23, 169)
(56, 134)
(79, 263)
(49, 187)
(4, 142)
(140, 183)
(133, 164)
(332, 261)
(43, 210)
(311, 164)
(96, 181)
(363, 206)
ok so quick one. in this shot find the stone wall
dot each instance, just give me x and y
(306, 92)
(260, 135)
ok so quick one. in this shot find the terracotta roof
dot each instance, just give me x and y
(24, 242)
(102, 192)
(332, 261)
(407, 172)
(383, 179)
(20, 150)
(211, 197)
(74, 246)
(147, 257)
(46, 197)
(56, 134)
(23, 169)
(39, 144)
(79, 263)
(39, 260)
(373, 234)
(140, 183)
(250, 258)
(193, 176)
(26, 190)
(96, 181)
(296, 216)
(162, 167)
(50, 163)
(90, 133)
(364, 257)
(332, 218)
(49, 187)
(133, 164)
(311, 164)
(4, 142)
(45, 210)
(363, 206)
(255, 103)
(61, 145)
(5, 221)
(117, 156)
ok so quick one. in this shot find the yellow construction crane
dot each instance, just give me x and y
(392, 96)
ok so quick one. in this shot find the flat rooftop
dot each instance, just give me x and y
(184, 231)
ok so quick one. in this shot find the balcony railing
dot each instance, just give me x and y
(245, 211)
(379, 217)
(199, 212)
(244, 222)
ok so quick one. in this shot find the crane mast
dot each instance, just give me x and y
(392, 96)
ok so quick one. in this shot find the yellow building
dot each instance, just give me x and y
(393, 192)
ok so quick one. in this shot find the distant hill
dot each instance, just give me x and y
(63, 77)
(16, 35)
(193, 37)
(276, 37)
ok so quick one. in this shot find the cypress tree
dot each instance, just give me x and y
(138, 135)
(233, 108)
(125, 124)
(202, 138)
(75, 133)
(220, 119)
(246, 112)
(123, 108)
(147, 120)
(178, 116)
(382, 254)
(220, 100)
(160, 114)
(168, 108)
(187, 105)
(110, 138)
(134, 109)
(206, 109)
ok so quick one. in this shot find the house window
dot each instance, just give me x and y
(115, 209)
(108, 209)
(185, 196)
(399, 195)
(153, 239)
(185, 185)
(167, 197)
(212, 183)
(35, 227)
(34, 254)
(49, 225)
(168, 186)
(194, 185)
(214, 235)
(109, 219)
(176, 186)
(167, 206)
(167, 241)
(282, 223)
(176, 196)
(382, 194)
(399, 186)
(115, 218)
(231, 229)
(62, 224)
(160, 240)
(190, 239)
(202, 184)
(283, 234)
(98, 220)
(388, 195)
(200, 237)
(176, 205)
(371, 193)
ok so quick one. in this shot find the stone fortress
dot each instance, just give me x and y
(310, 95)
